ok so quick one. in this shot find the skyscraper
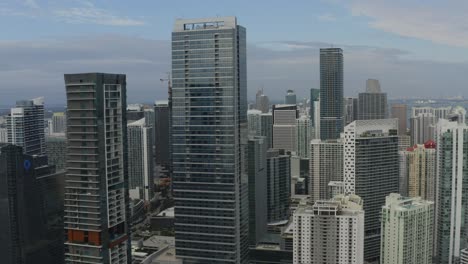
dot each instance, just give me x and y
(161, 127)
(278, 185)
(314, 112)
(350, 109)
(266, 120)
(31, 222)
(262, 102)
(59, 122)
(290, 98)
(56, 150)
(329, 231)
(96, 183)
(407, 230)
(421, 170)
(303, 136)
(422, 128)
(140, 162)
(452, 191)
(371, 171)
(400, 111)
(437, 112)
(331, 93)
(25, 125)
(284, 127)
(326, 165)
(257, 171)
(209, 139)
(373, 103)
(254, 122)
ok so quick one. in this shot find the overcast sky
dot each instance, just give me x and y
(415, 48)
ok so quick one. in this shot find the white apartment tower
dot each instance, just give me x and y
(140, 163)
(329, 232)
(407, 230)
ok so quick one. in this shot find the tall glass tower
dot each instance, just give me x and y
(331, 93)
(209, 139)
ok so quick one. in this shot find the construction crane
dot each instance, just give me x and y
(169, 85)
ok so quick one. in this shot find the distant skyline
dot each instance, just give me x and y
(414, 48)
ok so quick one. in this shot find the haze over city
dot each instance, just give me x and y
(415, 49)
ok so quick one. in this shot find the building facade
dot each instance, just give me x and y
(56, 151)
(257, 171)
(452, 191)
(350, 109)
(96, 183)
(422, 128)
(278, 185)
(400, 111)
(284, 127)
(25, 125)
(407, 230)
(421, 170)
(162, 132)
(303, 136)
(266, 120)
(329, 231)
(331, 93)
(326, 165)
(31, 192)
(371, 171)
(140, 162)
(209, 139)
(254, 122)
(373, 103)
(290, 98)
(59, 122)
(262, 102)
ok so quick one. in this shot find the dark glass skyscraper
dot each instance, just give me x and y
(31, 205)
(209, 139)
(161, 127)
(96, 183)
(331, 93)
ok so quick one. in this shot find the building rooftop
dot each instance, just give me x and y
(169, 212)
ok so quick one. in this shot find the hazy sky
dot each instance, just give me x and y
(415, 48)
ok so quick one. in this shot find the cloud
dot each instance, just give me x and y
(35, 68)
(89, 14)
(85, 13)
(31, 4)
(442, 23)
(326, 18)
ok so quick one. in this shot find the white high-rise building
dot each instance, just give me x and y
(325, 165)
(140, 163)
(303, 136)
(329, 232)
(25, 125)
(451, 191)
(439, 112)
(59, 123)
(284, 127)
(422, 128)
(407, 230)
(254, 122)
